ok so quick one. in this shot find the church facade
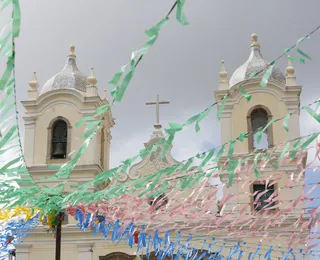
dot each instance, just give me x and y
(50, 135)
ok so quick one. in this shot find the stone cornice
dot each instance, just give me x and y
(297, 89)
(40, 169)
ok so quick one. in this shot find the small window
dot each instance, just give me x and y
(59, 140)
(158, 202)
(261, 203)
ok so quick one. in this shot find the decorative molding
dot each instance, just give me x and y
(31, 120)
(151, 163)
(294, 89)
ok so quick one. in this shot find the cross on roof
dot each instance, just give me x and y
(157, 103)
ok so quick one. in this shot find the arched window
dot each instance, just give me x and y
(258, 119)
(59, 140)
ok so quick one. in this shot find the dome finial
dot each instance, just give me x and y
(290, 68)
(290, 77)
(92, 81)
(223, 82)
(222, 66)
(34, 82)
(72, 52)
(254, 39)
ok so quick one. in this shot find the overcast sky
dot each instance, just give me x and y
(183, 66)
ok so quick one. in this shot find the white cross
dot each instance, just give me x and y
(157, 103)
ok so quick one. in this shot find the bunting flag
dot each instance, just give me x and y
(13, 231)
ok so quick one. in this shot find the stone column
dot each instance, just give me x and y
(84, 252)
(22, 252)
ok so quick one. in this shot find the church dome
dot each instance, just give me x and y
(69, 78)
(255, 63)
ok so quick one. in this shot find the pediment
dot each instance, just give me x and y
(148, 165)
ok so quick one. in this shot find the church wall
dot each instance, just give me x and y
(68, 251)
(240, 113)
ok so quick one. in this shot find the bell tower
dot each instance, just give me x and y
(278, 98)
(50, 118)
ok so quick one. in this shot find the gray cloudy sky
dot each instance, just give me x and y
(182, 67)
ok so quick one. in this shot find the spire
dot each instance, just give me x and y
(33, 93)
(72, 54)
(92, 81)
(223, 82)
(91, 90)
(290, 77)
(255, 44)
(105, 96)
(34, 82)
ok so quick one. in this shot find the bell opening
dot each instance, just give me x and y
(59, 140)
